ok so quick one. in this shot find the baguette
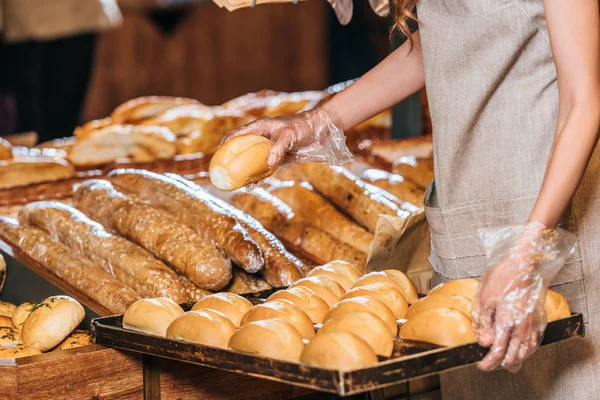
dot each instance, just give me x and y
(312, 243)
(282, 268)
(418, 170)
(30, 171)
(243, 283)
(193, 292)
(156, 231)
(363, 202)
(68, 266)
(138, 109)
(124, 260)
(208, 220)
(319, 213)
(402, 188)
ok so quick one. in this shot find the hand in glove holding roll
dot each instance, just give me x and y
(508, 310)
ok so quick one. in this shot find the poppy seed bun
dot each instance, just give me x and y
(207, 327)
(338, 351)
(366, 326)
(441, 326)
(282, 309)
(151, 316)
(230, 304)
(556, 306)
(21, 313)
(435, 301)
(461, 287)
(366, 304)
(273, 338)
(306, 299)
(325, 287)
(7, 309)
(51, 321)
(388, 294)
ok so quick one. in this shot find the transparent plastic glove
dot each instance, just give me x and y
(508, 309)
(310, 136)
(343, 10)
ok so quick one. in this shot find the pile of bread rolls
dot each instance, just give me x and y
(35, 328)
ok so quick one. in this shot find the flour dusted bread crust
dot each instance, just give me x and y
(338, 351)
(229, 304)
(151, 315)
(272, 338)
(207, 327)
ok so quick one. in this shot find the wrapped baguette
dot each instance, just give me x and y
(157, 231)
(363, 202)
(402, 188)
(70, 267)
(319, 213)
(124, 260)
(310, 242)
(140, 108)
(282, 268)
(418, 170)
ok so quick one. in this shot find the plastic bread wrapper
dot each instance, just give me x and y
(403, 244)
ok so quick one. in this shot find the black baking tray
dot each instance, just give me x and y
(410, 360)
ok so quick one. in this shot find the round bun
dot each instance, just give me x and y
(6, 321)
(18, 351)
(51, 321)
(9, 336)
(556, 306)
(388, 294)
(240, 161)
(435, 301)
(306, 299)
(377, 277)
(366, 326)
(442, 326)
(325, 287)
(7, 309)
(408, 287)
(78, 338)
(461, 287)
(230, 304)
(282, 309)
(151, 315)
(344, 268)
(338, 351)
(366, 304)
(207, 327)
(21, 313)
(273, 338)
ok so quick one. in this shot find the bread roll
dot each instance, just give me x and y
(282, 309)
(380, 277)
(306, 299)
(51, 321)
(231, 305)
(366, 304)
(78, 338)
(83, 131)
(325, 270)
(21, 313)
(338, 351)
(436, 301)
(388, 294)
(207, 327)
(5, 150)
(273, 338)
(366, 326)
(240, 161)
(9, 335)
(151, 315)
(140, 108)
(556, 306)
(7, 309)
(324, 287)
(442, 326)
(6, 321)
(408, 287)
(18, 351)
(461, 287)
(344, 268)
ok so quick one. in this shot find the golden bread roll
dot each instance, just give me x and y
(29, 171)
(140, 108)
(5, 150)
(556, 306)
(441, 326)
(388, 294)
(51, 321)
(344, 268)
(7, 309)
(18, 351)
(151, 315)
(408, 287)
(306, 299)
(6, 321)
(83, 131)
(9, 335)
(232, 305)
(380, 277)
(338, 351)
(366, 326)
(282, 309)
(272, 338)
(325, 287)
(325, 270)
(21, 313)
(366, 304)
(435, 301)
(240, 161)
(207, 327)
(461, 287)
(78, 338)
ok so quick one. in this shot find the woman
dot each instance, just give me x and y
(514, 92)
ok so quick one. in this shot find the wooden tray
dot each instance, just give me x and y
(410, 359)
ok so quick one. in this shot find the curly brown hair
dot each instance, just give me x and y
(403, 11)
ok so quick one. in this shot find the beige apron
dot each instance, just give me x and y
(493, 97)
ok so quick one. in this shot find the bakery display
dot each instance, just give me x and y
(339, 351)
(151, 315)
(229, 304)
(208, 327)
(282, 309)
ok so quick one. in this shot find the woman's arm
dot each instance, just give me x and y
(575, 39)
(394, 79)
